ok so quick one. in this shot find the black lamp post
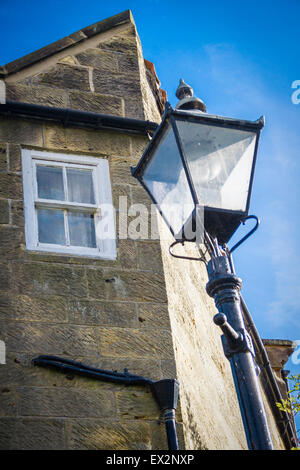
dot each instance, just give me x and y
(193, 161)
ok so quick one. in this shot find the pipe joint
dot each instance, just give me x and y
(226, 296)
(168, 415)
(224, 284)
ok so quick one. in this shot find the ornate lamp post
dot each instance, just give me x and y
(204, 164)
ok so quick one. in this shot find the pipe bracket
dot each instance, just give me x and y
(233, 341)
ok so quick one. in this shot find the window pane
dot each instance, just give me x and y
(220, 161)
(80, 186)
(166, 180)
(82, 229)
(51, 226)
(50, 182)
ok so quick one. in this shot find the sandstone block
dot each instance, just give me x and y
(11, 242)
(137, 403)
(127, 45)
(19, 131)
(103, 313)
(19, 370)
(128, 63)
(15, 162)
(149, 256)
(145, 367)
(64, 76)
(10, 186)
(153, 315)
(134, 108)
(140, 196)
(103, 60)
(126, 285)
(42, 95)
(4, 277)
(168, 369)
(17, 213)
(4, 211)
(8, 401)
(69, 402)
(40, 434)
(49, 279)
(101, 435)
(41, 338)
(3, 157)
(124, 191)
(83, 140)
(121, 84)
(69, 59)
(96, 103)
(120, 170)
(138, 145)
(7, 433)
(46, 309)
(127, 254)
(134, 343)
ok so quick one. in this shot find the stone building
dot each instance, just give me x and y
(75, 116)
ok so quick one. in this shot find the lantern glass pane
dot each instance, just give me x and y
(220, 161)
(166, 180)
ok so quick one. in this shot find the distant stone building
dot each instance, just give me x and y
(67, 142)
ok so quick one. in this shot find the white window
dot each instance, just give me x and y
(68, 204)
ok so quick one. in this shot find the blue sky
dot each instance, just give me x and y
(241, 58)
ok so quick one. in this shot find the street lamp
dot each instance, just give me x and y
(204, 164)
(196, 160)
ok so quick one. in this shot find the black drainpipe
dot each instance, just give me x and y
(166, 394)
(164, 391)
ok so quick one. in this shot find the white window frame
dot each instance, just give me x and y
(105, 244)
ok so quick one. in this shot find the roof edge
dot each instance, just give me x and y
(74, 38)
(77, 118)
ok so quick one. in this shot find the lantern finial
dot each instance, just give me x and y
(184, 90)
(185, 94)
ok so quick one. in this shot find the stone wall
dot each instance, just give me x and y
(145, 311)
(110, 314)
